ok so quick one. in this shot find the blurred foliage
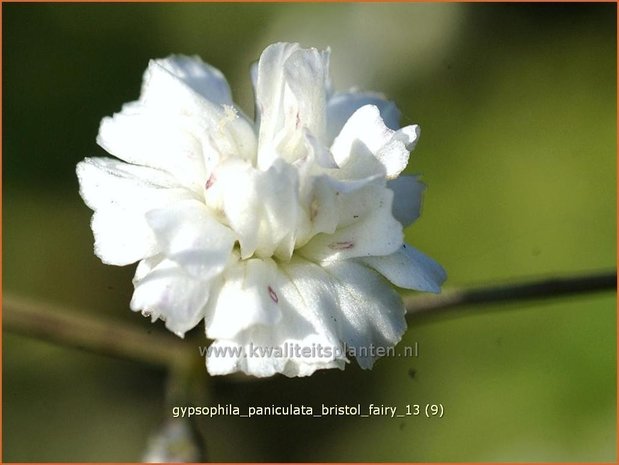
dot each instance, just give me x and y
(517, 105)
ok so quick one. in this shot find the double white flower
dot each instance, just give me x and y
(275, 233)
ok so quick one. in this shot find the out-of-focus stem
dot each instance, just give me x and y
(85, 331)
(509, 293)
(88, 332)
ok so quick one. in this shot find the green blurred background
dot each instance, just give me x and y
(517, 105)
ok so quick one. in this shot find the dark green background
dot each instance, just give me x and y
(517, 105)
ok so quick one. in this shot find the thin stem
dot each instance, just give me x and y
(532, 290)
(85, 331)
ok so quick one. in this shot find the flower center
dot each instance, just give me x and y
(262, 207)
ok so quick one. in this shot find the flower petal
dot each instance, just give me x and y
(263, 353)
(343, 305)
(304, 192)
(121, 194)
(142, 137)
(188, 235)
(306, 73)
(373, 313)
(203, 78)
(410, 269)
(342, 105)
(300, 341)
(352, 301)
(407, 198)
(262, 207)
(163, 289)
(322, 208)
(121, 245)
(108, 183)
(317, 152)
(183, 87)
(224, 357)
(366, 127)
(176, 121)
(362, 231)
(248, 295)
(290, 95)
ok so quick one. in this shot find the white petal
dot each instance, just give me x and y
(188, 235)
(203, 78)
(329, 202)
(373, 313)
(105, 183)
(363, 309)
(224, 357)
(290, 96)
(305, 73)
(323, 311)
(165, 290)
(323, 211)
(317, 151)
(168, 93)
(165, 86)
(269, 88)
(262, 207)
(302, 339)
(364, 232)
(247, 296)
(366, 128)
(410, 269)
(310, 292)
(121, 194)
(323, 190)
(363, 166)
(407, 198)
(357, 199)
(222, 126)
(342, 105)
(395, 153)
(121, 237)
(142, 137)
(351, 301)
(262, 353)
(253, 75)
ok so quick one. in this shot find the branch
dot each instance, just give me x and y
(89, 332)
(532, 290)
(82, 330)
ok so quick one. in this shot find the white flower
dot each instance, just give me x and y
(274, 232)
